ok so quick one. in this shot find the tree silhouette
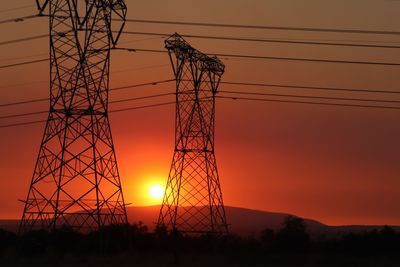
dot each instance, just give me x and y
(293, 237)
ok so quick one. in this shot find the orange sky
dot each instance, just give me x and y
(336, 165)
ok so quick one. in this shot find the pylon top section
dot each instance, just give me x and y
(184, 51)
(115, 11)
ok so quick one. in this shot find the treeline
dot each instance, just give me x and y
(292, 240)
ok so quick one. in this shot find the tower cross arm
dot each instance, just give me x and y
(41, 5)
(183, 50)
(116, 24)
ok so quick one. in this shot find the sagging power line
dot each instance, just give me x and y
(261, 40)
(235, 38)
(229, 97)
(243, 56)
(229, 25)
(261, 27)
(238, 92)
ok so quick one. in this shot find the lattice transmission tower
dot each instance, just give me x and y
(192, 201)
(76, 180)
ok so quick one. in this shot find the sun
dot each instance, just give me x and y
(156, 191)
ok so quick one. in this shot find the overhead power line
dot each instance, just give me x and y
(307, 102)
(225, 97)
(111, 102)
(111, 89)
(141, 84)
(23, 114)
(244, 26)
(18, 19)
(261, 27)
(255, 99)
(22, 57)
(312, 60)
(311, 97)
(230, 38)
(21, 123)
(142, 107)
(315, 60)
(223, 25)
(24, 39)
(112, 111)
(112, 72)
(310, 87)
(309, 60)
(290, 86)
(24, 63)
(24, 102)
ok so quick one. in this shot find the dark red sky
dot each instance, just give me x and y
(335, 164)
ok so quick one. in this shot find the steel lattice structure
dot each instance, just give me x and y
(193, 199)
(76, 180)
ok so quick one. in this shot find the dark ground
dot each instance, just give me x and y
(134, 245)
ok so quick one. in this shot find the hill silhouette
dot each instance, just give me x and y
(242, 221)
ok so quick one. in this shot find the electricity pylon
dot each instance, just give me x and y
(193, 200)
(76, 181)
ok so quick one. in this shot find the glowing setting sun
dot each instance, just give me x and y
(144, 188)
(156, 191)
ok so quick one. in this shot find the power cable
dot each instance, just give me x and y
(310, 87)
(141, 84)
(21, 123)
(111, 89)
(222, 25)
(24, 102)
(19, 19)
(230, 38)
(255, 99)
(224, 97)
(272, 58)
(24, 63)
(142, 107)
(307, 102)
(228, 83)
(24, 39)
(22, 57)
(113, 111)
(312, 60)
(260, 27)
(23, 114)
(111, 102)
(227, 38)
(311, 97)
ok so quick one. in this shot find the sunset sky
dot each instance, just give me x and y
(338, 165)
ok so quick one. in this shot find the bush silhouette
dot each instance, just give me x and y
(33, 243)
(7, 239)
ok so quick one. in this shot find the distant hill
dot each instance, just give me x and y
(243, 222)
(247, 222)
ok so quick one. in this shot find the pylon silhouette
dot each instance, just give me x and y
(76, 180)
(193, 199)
